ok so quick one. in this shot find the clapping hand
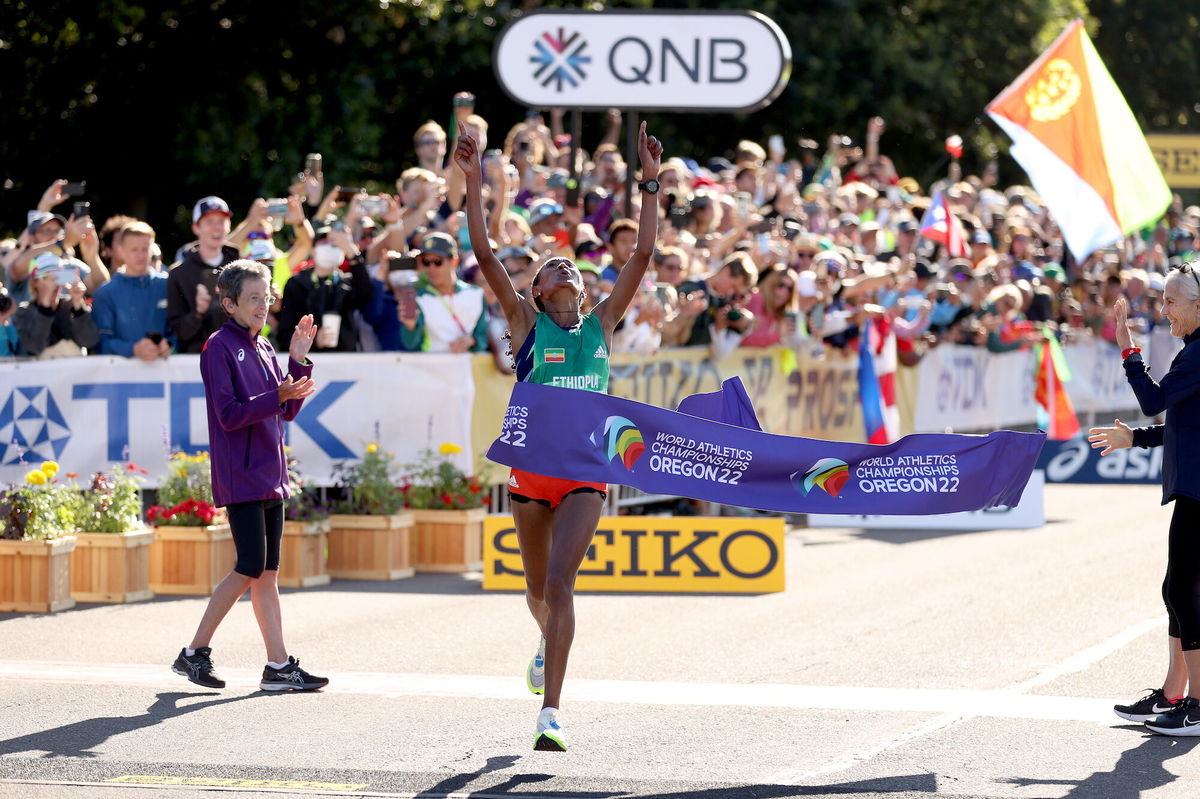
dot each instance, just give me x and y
(1121, 319)
(302, 338)
(1106, 439)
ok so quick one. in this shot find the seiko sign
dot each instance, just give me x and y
(662, 61)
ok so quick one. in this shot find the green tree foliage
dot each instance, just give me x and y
(159, 104)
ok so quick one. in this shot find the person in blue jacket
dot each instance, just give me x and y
(248, 399)
(130, 311)
(1173, 709)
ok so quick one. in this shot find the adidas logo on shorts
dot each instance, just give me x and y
(512, 481)
(600, 353)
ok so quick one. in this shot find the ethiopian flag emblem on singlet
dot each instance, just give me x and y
(557, 355)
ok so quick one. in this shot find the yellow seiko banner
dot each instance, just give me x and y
(1178, 156)
(652, 553)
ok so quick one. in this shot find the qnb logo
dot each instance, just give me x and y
(828, 474)
(621, 440)
(32, 428)
(560, 59)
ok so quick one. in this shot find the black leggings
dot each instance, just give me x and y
(1181, 588)
(257, 529)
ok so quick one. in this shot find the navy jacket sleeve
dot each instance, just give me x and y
(1181, 381)
(1146, 437)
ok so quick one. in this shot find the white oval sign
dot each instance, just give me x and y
(643, 60)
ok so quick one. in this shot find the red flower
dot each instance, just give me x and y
(144, 471)
(131, 466)
(474, 488)
(404, 489)
(445, 499)
(408, 504)
(459, 499)
(72, 475)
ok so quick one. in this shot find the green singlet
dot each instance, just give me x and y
(575, 358)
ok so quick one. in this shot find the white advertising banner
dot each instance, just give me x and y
(965, 389)
(90, 413)
(1027, 514)
(662, 60)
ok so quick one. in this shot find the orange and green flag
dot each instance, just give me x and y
(1079, 143)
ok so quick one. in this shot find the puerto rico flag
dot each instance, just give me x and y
(939, 225)
(877, 382)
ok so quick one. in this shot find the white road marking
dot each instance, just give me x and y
(1017, 701)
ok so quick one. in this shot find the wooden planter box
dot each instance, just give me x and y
(111, 567)
(35, 576)
(302, 556)
(370, 547)
(190, 560)
(448, 540)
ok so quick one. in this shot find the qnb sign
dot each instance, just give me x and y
(686, 61)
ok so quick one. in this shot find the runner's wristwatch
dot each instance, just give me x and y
(649, 186)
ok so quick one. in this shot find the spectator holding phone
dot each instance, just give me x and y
(326, 292)
(56, 323)
(130, 310)
(193, 313)
(450, 315)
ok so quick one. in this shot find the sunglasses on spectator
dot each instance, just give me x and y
(430, 261)
(670, 266)
(427, 142)
(805, 254)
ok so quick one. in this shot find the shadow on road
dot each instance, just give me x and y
(79, 738)
(915, 783)
(1136, 771)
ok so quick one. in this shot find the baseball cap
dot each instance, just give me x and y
(1025, 271)
(45, 264)
(907, 225)
(981, 237)
(558, 179)
(39, 218)
(439, 244)
(848, 219)
(543, 209)
(1055, 272)
(209, 205)
(260, 250)
(806, 284)
(922, 269)
(512, 251)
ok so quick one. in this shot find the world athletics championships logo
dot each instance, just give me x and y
(829, 474)
(620, 440)
(562, 58)
(32, 428)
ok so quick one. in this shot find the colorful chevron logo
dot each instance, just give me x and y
(560, 59)
(622, 440)
(828, 474)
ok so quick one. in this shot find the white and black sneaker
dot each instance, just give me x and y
(290, 678)
(1153, 704)
(1183, 719)
(198, 667)
(550, 736)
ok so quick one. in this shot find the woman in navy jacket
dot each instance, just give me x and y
(248, 401)
(1173, 709)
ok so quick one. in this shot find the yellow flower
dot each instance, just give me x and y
(181, 472)
(372, 447)
(37, 477)
(449, 449)
(50, 468)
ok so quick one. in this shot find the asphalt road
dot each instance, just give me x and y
(899, 664)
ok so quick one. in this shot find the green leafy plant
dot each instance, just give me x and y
(304, 505)
(113, 502)
(435, 483)
(185, 496)
(367, 486)
(39, 508)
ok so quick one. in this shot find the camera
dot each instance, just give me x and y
(277, 206)
(82, 209)
(312, 163)
(75, 189)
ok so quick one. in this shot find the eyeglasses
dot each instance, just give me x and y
(805, 254)
(256, 300)
(427, 142)
(434, 261)
(670, 266)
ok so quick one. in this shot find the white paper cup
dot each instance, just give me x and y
(331, 329)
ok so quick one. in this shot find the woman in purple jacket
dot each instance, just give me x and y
(248, 401)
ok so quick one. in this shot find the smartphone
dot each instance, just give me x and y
(346, 195)
(312, 163)
(743, 203)
(764, 243)
(523, 146)
(82, 209)
(277, 206)
(775, 144)
(77, 189)
(155, 338)
(373, 206)
(66, 276)
(337, 224)
(405, 282)
(465, 101)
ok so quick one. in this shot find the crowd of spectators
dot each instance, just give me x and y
(758, 247)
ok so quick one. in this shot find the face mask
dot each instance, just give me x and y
(328, 256)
